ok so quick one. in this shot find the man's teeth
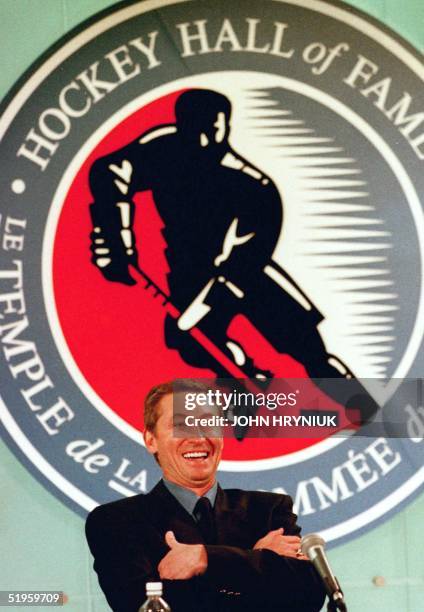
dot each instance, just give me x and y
(195, 455)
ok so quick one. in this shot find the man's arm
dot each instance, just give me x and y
(125, 563)
(114, 179)
(284, 579)
(271, 571)
(289, 581)
(122, 574)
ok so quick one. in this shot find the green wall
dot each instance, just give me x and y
(42, 541)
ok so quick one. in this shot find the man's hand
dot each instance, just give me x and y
(183, 560)
(286, 546)
(113, 241)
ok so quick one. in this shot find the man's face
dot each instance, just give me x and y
(215, 131)
(190, 462)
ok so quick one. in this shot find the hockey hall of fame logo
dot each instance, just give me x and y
(202, 189)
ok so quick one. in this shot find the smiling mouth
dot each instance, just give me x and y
(196, 455)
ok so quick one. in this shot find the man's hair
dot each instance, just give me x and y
(152, 399)
(196, 108)
(156, 393)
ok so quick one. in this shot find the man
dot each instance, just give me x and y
(223, 218)
(232, 550)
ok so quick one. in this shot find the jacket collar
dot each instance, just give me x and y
(187, 498)
(165, 512)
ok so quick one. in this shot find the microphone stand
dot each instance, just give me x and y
(332, 606)
(336, 600)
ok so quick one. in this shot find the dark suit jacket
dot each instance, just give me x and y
(127, 540)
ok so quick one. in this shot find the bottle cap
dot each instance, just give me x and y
(153, 588)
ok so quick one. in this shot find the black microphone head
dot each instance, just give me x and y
(311, 541)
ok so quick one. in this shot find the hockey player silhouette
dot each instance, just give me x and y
(222, 217)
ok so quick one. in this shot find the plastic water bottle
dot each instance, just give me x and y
(154, 601)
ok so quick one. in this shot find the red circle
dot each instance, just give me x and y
(115, 333)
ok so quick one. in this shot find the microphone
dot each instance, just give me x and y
(312, 545)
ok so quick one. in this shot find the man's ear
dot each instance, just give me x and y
(150, 441)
